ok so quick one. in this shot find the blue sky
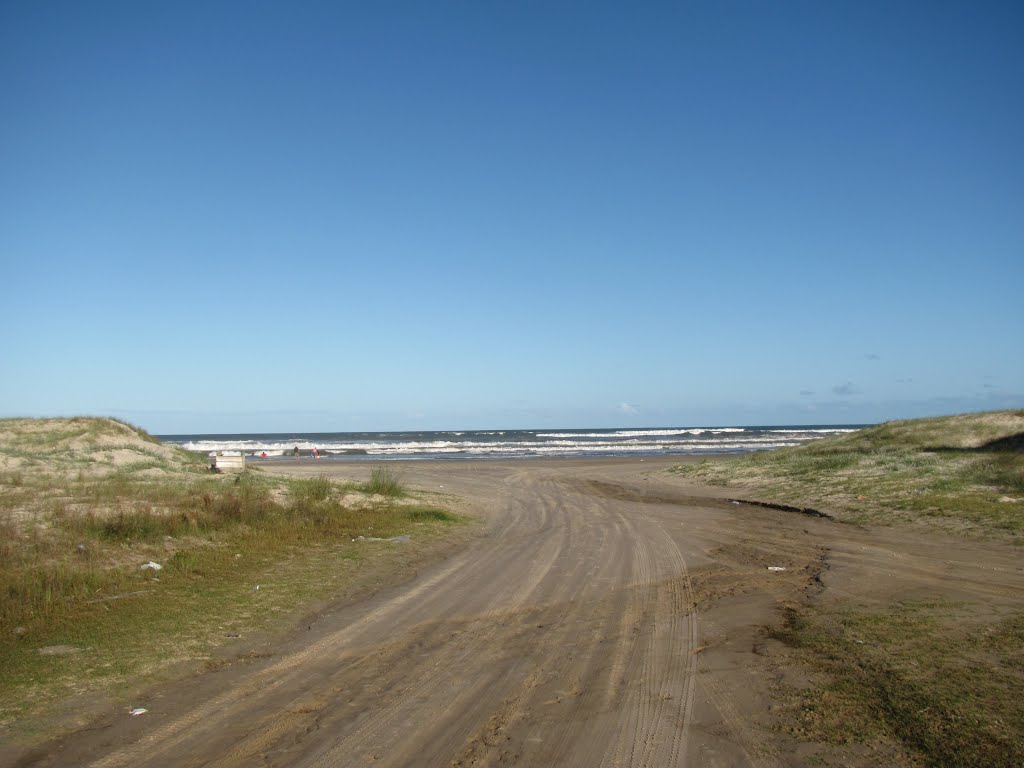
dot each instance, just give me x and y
(220, 217)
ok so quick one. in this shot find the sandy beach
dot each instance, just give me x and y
(602, 613)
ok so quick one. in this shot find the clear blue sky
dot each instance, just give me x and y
(342, 216)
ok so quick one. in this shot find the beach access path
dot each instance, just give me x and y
(604, 613)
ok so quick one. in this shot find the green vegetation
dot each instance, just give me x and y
(85, 504)
(384, 483)
(928, 680)
(959, 473)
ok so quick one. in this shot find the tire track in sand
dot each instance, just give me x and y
(658, 708)
(551, 702)
(455, 655)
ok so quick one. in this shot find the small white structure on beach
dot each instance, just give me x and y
(227, 461)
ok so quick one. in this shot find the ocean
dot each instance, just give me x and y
(512, 443)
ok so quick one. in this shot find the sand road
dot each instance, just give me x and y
(606, 615)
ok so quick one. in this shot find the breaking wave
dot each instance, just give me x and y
(513, 443)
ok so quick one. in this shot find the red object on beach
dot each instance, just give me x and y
(316, 454)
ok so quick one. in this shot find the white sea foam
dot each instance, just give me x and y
(643, 432)
(520, 443)
(635, 442)
(829, 431)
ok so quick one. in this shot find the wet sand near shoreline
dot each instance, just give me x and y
(602, 613)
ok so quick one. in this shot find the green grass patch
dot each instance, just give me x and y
(81, 583)
(383, 482)
(313, 491)
(432, 514)
(939, 684)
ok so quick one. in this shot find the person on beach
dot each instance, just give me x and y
(295, 453)
(316, 454)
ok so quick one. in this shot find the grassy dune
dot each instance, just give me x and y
(86, 503)
(963, 474)
(908, 683)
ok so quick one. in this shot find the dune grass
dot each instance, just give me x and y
(85, 506)
(383, 482)
(959, 473)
